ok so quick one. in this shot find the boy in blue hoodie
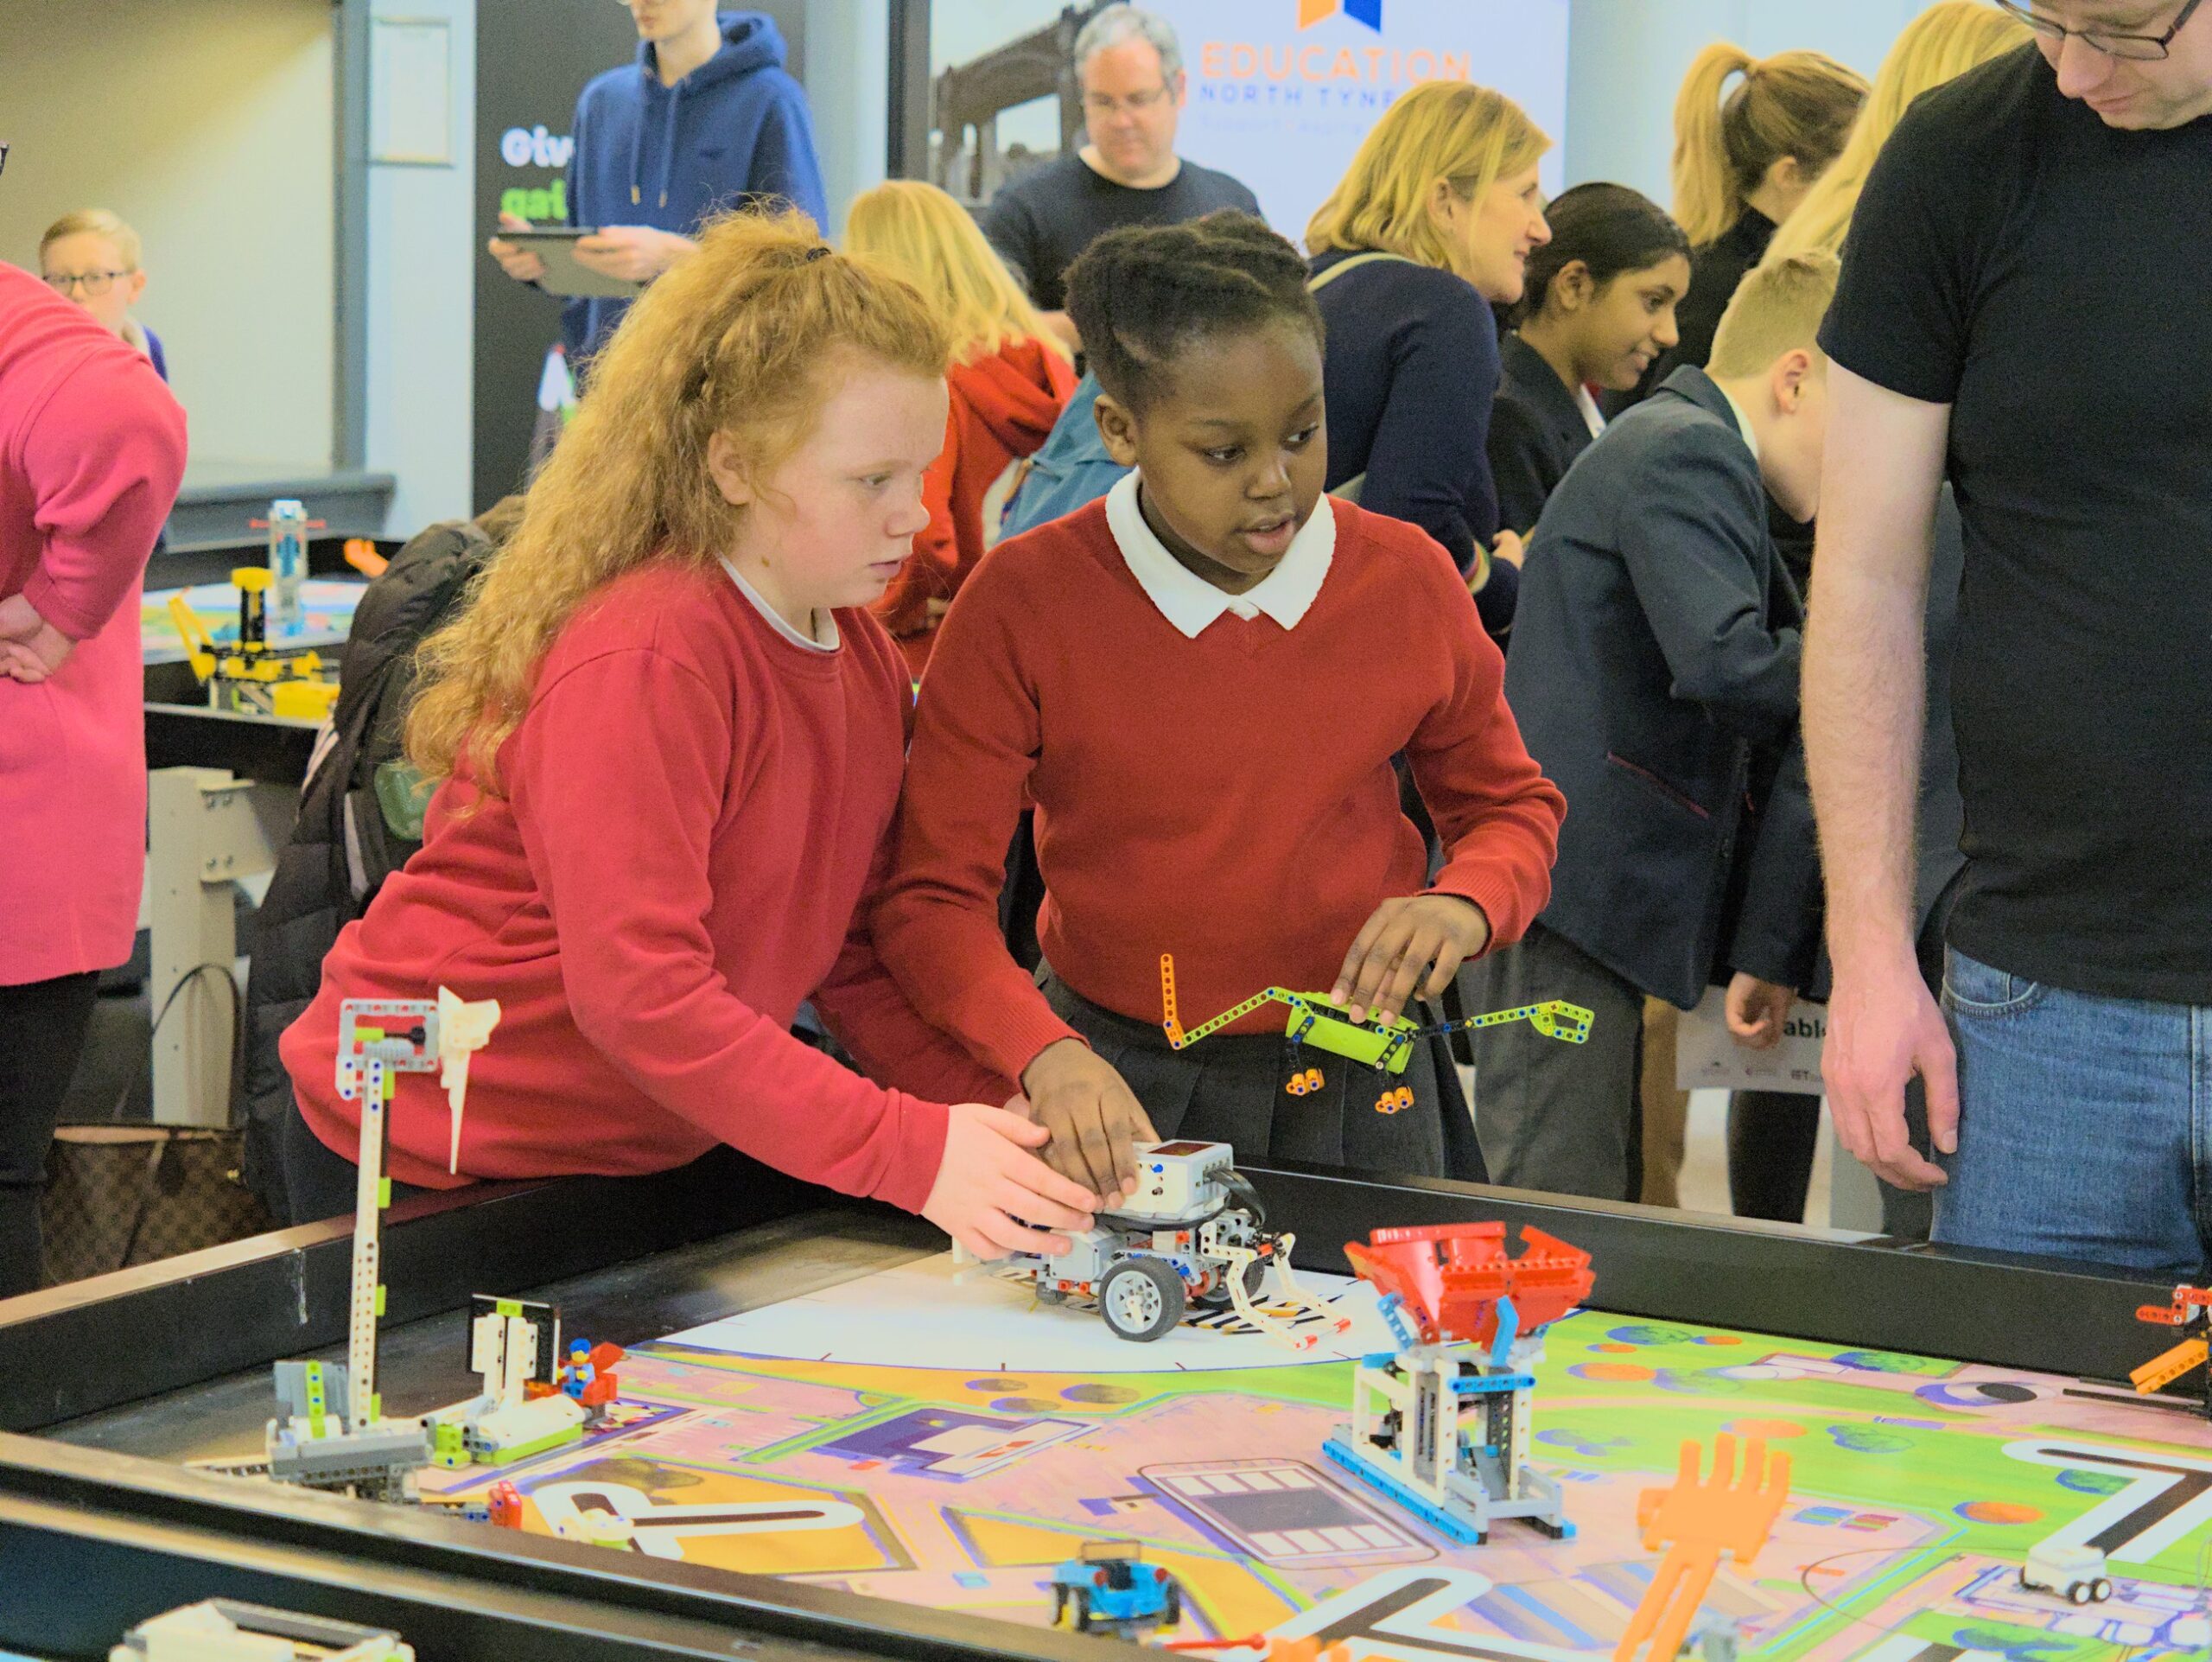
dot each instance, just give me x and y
(706, 119)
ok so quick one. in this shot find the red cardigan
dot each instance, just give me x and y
(1003, 408)
(1228, 800)
(92, 451)
(697, 808)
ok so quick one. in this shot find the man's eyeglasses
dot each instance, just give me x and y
(2139, 49)
(1104, 104)
(93, 283)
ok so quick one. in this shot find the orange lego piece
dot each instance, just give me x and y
(1450, 1276)
(1695, 1522)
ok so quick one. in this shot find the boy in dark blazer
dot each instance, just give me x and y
(1654, 672)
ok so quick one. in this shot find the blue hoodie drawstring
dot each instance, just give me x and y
(637, 159)
(668, 147)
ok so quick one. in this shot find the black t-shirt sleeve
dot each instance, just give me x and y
(1011, 227)
(1901, 312)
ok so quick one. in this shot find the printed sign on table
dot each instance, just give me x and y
(1707, 1056)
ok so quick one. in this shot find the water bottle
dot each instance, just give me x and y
(288, 563)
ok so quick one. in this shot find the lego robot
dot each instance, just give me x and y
(1193, 1233)
(1108, 1588)
(2072, 1571)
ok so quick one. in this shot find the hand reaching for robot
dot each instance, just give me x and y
(1411, 947)
(1093, 1117)
(995, 1197)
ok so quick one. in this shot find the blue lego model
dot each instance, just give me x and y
(1110, 1587)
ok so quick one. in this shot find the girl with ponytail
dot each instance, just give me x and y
(666, 739)
(1752, 134)
(1760, 144)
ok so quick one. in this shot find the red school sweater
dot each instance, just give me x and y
(697, 810)
(1228, 799)
(1003, 408)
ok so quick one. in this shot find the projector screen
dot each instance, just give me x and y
(1282, 91)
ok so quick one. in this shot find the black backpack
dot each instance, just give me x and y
(360, 819)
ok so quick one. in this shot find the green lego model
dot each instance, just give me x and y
(1384, 1043)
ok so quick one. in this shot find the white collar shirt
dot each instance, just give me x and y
(1192, 604)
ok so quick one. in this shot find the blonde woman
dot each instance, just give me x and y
(669, 740)
(94, 259)
(1430, 230)
(1751, 135)
(1010, 378)
(1943, 43)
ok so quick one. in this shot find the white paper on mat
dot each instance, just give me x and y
(917, 1315)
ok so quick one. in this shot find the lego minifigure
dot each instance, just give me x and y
(577, 1376)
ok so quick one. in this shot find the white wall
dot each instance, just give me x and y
(1626, 59)
(848, 84)
(211, 132)
(423, 241)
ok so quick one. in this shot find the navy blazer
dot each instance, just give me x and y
(1654, 672)
(1537, 430)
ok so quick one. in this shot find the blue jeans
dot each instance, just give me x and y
(2085, 1128)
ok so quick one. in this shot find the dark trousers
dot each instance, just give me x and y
(1566, 1118)
(42, 1025)
(1772, 1136)
(1230, 1089)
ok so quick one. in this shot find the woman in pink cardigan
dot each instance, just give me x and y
(92, 449)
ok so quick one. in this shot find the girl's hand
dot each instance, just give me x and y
(1093, 1117)
(1757, 1010)
(521, 264)
(1413, 944)
(991, 1195)
(1510, 548)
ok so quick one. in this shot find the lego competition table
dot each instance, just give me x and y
(222, 789)
(830, 1438)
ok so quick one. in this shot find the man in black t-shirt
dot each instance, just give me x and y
(1130, 69)
(2027, 305)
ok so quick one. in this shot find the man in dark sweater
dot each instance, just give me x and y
(2024, 312)
(1130, 68)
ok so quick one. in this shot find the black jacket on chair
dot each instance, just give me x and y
(1654, 672)
(1537, 430)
